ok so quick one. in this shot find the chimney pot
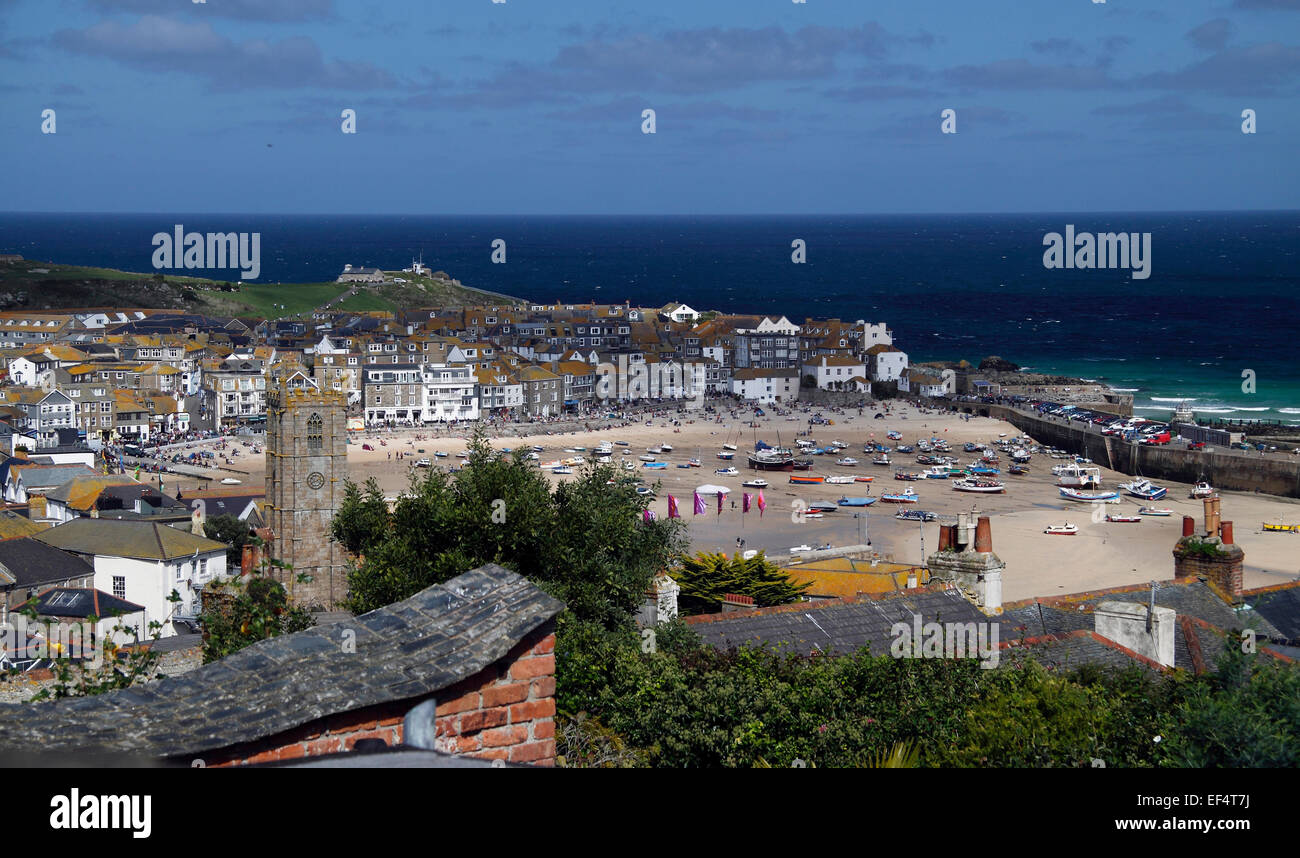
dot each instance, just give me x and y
(1225, 530)
(946, 536)
(984, 535)
(1189, 525)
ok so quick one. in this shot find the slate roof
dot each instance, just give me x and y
(406, 650)
(834, 627)
(28, 562)
(81, 602)
(1280, 606)
(142, 540)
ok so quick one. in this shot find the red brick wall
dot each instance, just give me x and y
(1224, 571)
(505, 711)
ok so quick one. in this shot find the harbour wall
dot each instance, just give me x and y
(1224, 469)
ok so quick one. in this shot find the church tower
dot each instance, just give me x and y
(306, 465)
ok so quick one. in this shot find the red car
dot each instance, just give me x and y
(1196, 445)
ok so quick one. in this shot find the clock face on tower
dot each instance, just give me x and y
(315, 480)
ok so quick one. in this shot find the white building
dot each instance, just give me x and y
(875, 334)
(922, 384)
(886, 363)
(144, 562)
(838, 373)
(449, 393)
(766, 385)
(681, 313)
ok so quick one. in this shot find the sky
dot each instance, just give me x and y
(536, 106)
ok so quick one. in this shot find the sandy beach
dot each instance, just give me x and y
(1100, 555)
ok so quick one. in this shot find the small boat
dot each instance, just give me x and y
(936, 472)
(907, 475)
(1018, 470)
(562, 469)
(692, 463)
(758, 483)
(537, 448)
(1124, 519)
(863, 479)
(1090, 497)
(665, 448)
(655, 450)
(916, 515)
(822, 506)
(645, 490)
(905, 496)
(230, 481)
(1062, 529)
(731, 447)
(1202, 490)
(882, 459)
(440, 454)
(646, 458)
(1141, 488)
(628, 466)
(801, 549)
(904, 448)
(803, 464)
(991, 487)
(620, 443)
(813, 515)
(683, 465)
(847, 462)
(1020, 455)
(807, 480)
(654, 464)
(730, 472)
(839, 479)
(1077, 477)
(856, 501)
(423, 463)
(726, 456)
(1281, 528)
(982, 470)
(1151, 510)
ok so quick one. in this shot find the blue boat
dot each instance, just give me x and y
(654, 464)
(857, 501)
(978, 469)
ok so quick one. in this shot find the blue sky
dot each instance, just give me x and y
(762, 106)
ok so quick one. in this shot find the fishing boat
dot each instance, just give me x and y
(803, 464)
(925, 459)
(801, 549)
(916, 515)
(1090, 497)
(1018, 470)
(1202, 490)
(982, 470)
(909, 476)
(904, 448)
(1074, 476)
(1124, 519)
(549, 465)
(771, 459)
(1151, 510)
(847, 501)
(646, 458)
(1020, 455)
(822, 506)
(847, 462)
(882, 459)
(725, 456)
(810, 478)
(839, 479)
(1142, 488)
(440, 454)
(756, 483)
(562, 469)
(905, 496)
(731, 472)
(683, 465)
(692, 463)
(1061, 529)
(230, 481)
(894, 436)
(731, 447)
(990, 487)
(863, 479)
(665, 448)
(655, 450)
(537, 448)
(936, 472)
(628, 466)
(1281, 528)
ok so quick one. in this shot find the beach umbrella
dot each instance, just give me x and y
(762, 504)
(699, 504)
(672, 508)
(744, 506)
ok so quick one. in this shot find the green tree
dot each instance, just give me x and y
(230, 530)
(244, 610)
(362, 519)
(706, 578)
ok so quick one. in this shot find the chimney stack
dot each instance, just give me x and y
(733, 602)
(1146, 631)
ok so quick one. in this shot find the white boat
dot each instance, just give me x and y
(1062, 529)
(882, 459)
(1075, 476)
(1090, 497)
(936, 472)
(423, 463)
(230, 481)
(759, 483)
(440, 454)
(801, 549)
(1202, 490)
(563, 469)
(847, 461)
(628, 466)
(1151, 510)
(731, 447)
(665, 448)
(1143, 488)
(655, 450)
(840, 478)
(991, 487)
(646, 458)
(727, 471)
(1125, 519)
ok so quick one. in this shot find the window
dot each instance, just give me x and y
(315, 440)
(119, 586)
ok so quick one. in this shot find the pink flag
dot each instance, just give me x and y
(699, 505)
(672, 508)
(719, 503)
(648, 516)
(762, 504)
(744, 503)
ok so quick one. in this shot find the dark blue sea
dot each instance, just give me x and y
(1223, 296)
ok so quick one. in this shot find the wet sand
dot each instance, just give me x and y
(1100, 555)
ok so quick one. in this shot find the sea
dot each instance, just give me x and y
(1214, 324)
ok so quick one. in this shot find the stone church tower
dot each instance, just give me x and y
(306, 465)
